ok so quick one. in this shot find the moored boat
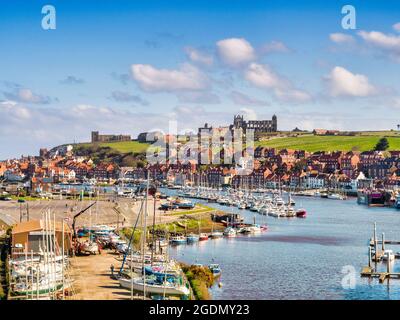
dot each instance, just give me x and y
(301, 213)
(216, 234)
(153, 286)
(215, 269)
(203, 236)
(178, 240)
(192, 238)
(229, 232)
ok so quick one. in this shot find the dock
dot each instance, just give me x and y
(369, 272)
(376, 255)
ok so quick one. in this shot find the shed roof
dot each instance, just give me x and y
(37, 225)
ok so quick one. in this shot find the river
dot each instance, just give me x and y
(319, 257)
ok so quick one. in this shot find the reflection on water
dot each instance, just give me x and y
(301, 258)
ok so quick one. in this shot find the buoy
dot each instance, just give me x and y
(220, 284)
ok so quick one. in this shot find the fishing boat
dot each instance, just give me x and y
(192, 238)
(178, 240)
(229, 232)
(215, 269)
(301, 213)
(203, 236)
(153, 286)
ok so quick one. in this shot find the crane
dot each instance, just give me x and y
(76, 216)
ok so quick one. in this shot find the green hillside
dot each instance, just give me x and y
(126, 146)
(127, 153)
(313, 143)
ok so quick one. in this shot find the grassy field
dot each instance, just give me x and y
(313, 143)
(123, 146)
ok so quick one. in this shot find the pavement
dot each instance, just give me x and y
(93, 279)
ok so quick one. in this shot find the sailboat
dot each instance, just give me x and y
(215, 234)
(154, 286)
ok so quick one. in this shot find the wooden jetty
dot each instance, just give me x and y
(376, 255)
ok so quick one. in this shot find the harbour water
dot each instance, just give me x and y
(319, 257)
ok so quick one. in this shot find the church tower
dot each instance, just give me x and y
(274, 123)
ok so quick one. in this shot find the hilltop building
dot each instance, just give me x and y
(259, 126)
(96, 137)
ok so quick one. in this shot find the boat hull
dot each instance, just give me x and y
(154, 289)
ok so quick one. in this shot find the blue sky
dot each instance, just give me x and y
(130, 66)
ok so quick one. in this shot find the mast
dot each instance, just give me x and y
(145, 234)
(62, 261)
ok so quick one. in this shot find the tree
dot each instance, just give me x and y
(382, 145)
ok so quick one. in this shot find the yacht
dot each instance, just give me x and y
(178, 240)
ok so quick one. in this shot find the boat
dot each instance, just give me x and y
(89, 247)
(301, 213)
(183, 204)
(388, 255)
(290, 212)
(43, 288)
(168, 206)
(203, 236)
(192, 238)
(254, 228)
(397, 202)
(215, 269)
(335, 196)
(216, 234)
(178, 240)
(242, 205)
(229, 232)
(152, 286)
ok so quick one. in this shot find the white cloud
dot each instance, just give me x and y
(262, 76)
(198, 56)
(188, 77)
(249, 114)
(396, 26)
(26, 95)
(342, 83)
(341, 38)
(387, 43)
(243, 99)
(381, 40)
(235, 51)
(293, 95)
(275, 46)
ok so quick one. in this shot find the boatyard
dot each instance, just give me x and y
(95, 249)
